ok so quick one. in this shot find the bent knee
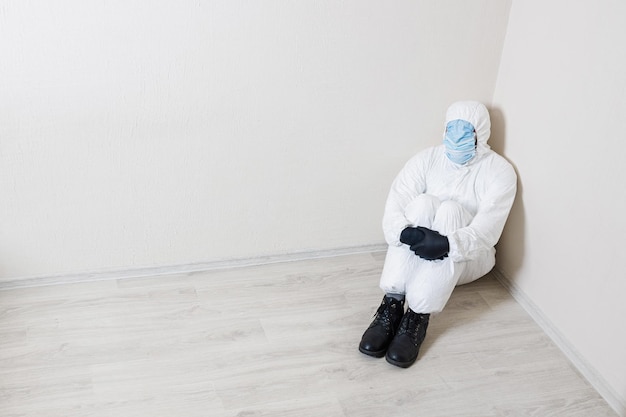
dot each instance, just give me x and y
(450, 217)
(422, 210)
(450, 209)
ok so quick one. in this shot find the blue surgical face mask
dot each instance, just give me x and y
(460, 141)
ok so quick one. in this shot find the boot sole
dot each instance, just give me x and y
(400, 364)
(378, 354)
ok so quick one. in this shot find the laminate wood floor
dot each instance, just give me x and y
(272, 340)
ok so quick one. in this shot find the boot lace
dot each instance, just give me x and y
(384, 315)
(414, 325)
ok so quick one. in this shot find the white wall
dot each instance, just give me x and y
(561, 92)
(153, 133)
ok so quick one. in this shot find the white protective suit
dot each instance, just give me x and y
(467, 203)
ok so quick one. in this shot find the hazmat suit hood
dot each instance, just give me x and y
(477, 114)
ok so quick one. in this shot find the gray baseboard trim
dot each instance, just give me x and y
(580, 363)
(114, 274)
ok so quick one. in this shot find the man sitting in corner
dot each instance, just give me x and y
(444, 214)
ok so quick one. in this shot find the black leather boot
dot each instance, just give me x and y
(406, 344)
(377, 337)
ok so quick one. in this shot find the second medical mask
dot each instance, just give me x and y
(460, 141)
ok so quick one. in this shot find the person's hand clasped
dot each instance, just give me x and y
(427, 244)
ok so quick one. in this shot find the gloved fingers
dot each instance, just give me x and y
(421, 250)
(417, 248)
(441, 258)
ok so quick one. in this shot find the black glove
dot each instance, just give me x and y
(432, 246)
(410, 236)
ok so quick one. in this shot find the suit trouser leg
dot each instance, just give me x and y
(427, 284)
